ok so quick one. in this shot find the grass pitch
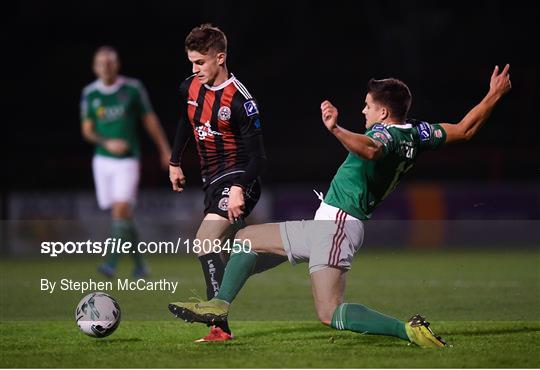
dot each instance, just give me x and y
(486, 304)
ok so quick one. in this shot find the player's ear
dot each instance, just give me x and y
(384, 114)
(221, 57)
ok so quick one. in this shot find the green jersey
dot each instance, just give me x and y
(360, 184)
(116, 111)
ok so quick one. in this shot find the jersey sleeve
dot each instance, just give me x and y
(246, 113)
(85, 107)
(144, 104)
(381, 134)
(183, 132)
(430, 136)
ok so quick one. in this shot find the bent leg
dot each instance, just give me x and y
(361, 319)
(328, 287)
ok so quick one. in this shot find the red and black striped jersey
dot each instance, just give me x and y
(226, 126)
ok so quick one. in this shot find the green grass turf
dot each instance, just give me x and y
(485, 303)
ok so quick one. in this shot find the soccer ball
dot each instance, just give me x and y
(98, 315)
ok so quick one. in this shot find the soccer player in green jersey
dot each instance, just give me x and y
(376, 163)
(111, 109)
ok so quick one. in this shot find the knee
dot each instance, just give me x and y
(325, 315)
(325, 319)
(325, 310)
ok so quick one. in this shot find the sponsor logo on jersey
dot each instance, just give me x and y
(223, 204)
(194, 103)
(205, 130)
(251, 108)
(424, 130)
(224, 113)
(108, 114)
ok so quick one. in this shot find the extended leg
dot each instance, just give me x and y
(328, 287)
(263, 239)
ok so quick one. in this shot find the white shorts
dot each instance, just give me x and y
(116, 180)
(330, 240)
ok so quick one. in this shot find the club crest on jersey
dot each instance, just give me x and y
(251, 108)
(382, 133)
(424, 130)
(224, 113)
(381, 136)
(223, 204)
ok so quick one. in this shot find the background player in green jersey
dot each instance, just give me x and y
(111, 109)
(375, 164)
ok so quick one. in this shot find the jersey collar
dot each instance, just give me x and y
(110, 89)
(223, 85)
(403, 127)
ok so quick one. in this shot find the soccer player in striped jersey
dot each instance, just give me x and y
(376, 162)
(223, 117)
(111, 109)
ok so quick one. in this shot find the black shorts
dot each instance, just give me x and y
(216, 197)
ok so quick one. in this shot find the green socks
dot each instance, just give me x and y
(238, 270)
(360, 319)
(125, 229)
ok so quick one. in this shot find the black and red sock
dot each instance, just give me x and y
(213, 269)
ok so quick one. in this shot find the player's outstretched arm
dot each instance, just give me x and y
(470, 124)
(358, 144)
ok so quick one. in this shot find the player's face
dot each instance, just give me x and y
(206, 66)
(106, 66)
(373, 111)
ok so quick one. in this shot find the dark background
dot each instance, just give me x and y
(291, 56)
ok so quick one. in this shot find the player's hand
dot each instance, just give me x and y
(236, 203)
(329, 115)
(178, 180)
(164, 158)
(500, 82)
(116, 146)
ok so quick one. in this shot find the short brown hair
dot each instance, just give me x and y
(106, 49)
(206, 37)
(393, 94)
